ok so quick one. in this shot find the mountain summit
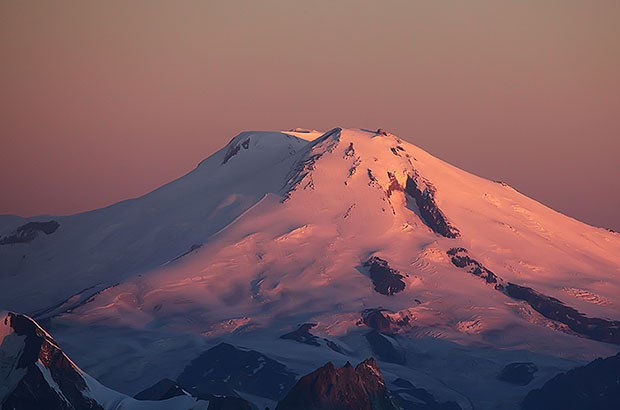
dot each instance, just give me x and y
(350, 243)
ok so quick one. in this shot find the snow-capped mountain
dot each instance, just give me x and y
(309, 247)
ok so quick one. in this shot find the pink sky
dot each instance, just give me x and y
(102, 101)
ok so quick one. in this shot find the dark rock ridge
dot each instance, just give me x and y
(424, 399)
(162, 390)
(519, 373)
(595, 386)
(387, 281)
(26, 376)
(28, 232)
(345, 388)
(303, 335)
(424, 194)
(225, 369)
(602, 330)
(460, 259)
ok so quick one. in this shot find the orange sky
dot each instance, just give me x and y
(102, 101)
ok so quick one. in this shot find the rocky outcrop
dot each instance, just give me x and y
(35, 373)
(384, 322)
(225, 369)
(28, 232)
(303, 335)
(595, 386)
(345, 388)
(460, 259)
(424, 194)
(519, 373)
(387, 281)
(234, 149)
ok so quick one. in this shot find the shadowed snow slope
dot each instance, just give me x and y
(274, 231)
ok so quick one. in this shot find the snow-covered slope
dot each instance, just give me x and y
(386, 250)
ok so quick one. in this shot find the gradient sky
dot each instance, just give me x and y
(102, 101)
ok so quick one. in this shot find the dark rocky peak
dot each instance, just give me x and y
(386, 280)
(595, 386)
(29, 231)
(345, 388)
(423, 192)
(35, 371)
(226, 369)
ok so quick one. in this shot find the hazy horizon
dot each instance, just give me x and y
(107, 101)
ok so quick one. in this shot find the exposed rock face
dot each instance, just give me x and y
(460, 259)
(424, 194)
(595, 386)
(387, 281)
(234, 150)
(346, 388)
(162, 390)
(595, 328)
(303, 335)
(28, 232)
(520, 374)
(35, 373)
(224, 368)
(423, 399)
(382, 322)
